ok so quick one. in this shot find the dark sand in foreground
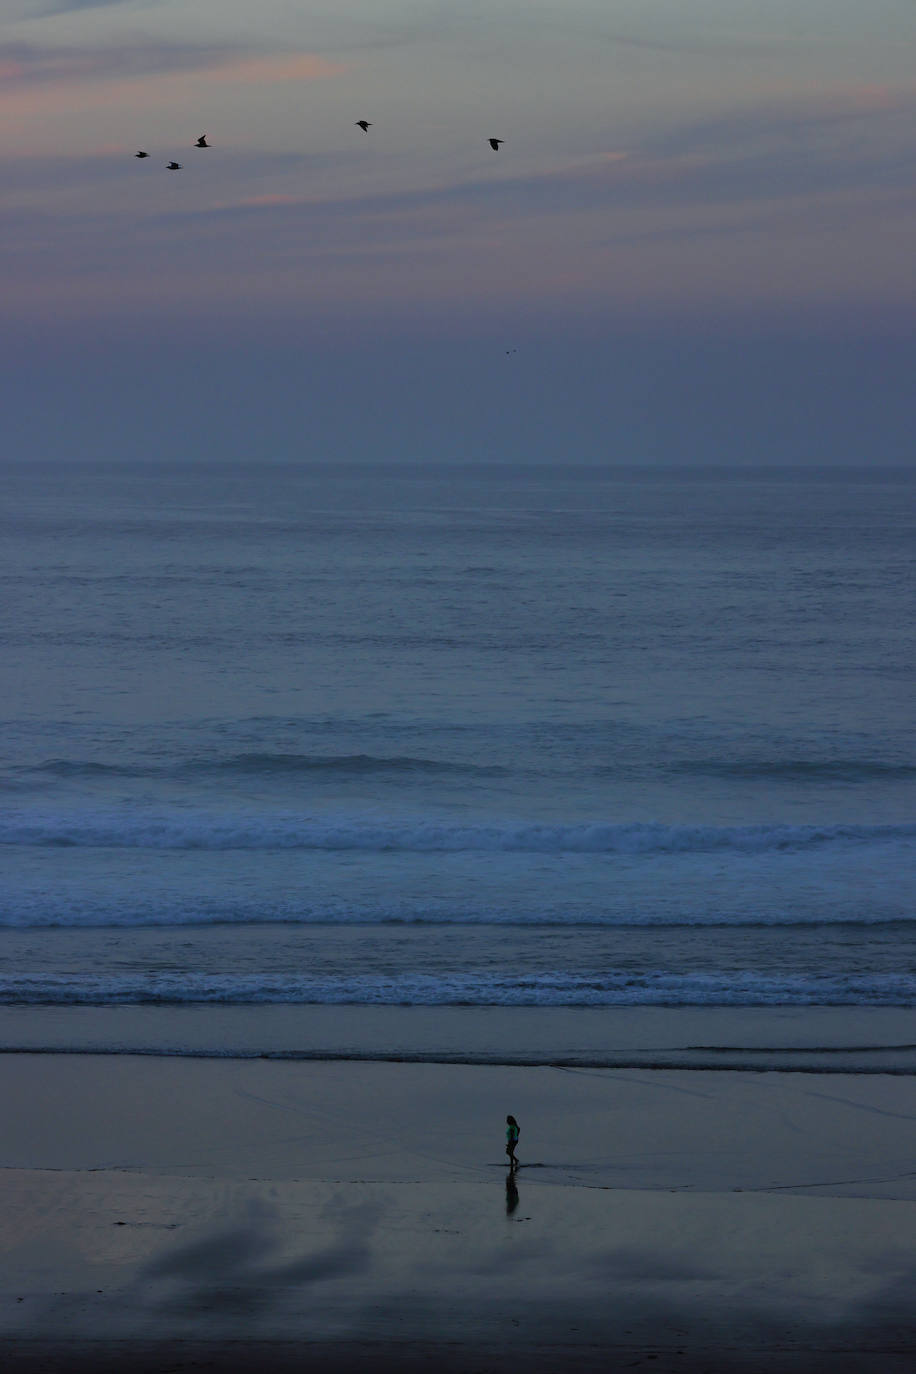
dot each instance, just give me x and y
(171, 1213)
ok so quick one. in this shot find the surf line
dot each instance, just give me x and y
(571, 1065)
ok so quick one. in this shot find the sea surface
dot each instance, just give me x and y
(480, 736)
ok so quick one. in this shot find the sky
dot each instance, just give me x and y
(694, 245)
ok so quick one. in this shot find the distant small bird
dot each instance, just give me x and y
(174, 166)
(202, 142)
(141, 154)
(495, 142)
(364, 124)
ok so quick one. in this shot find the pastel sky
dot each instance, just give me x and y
(698, 208)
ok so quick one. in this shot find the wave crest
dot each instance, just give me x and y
(260, 764)
(281, 830)
(656, 987)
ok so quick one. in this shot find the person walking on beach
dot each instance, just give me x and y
(512, 1135)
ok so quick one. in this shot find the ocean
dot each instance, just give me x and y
(478, 736)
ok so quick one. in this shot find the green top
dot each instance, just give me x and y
(512, 1134)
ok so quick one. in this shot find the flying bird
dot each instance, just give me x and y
(202, 142)
(495, 142)
(364, 124)
(174, 166)
(141, 154)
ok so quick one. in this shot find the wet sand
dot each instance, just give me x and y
(166, 1213)
(825, 1039)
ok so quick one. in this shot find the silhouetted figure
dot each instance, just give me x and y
(513, 1131)
(511, 1193)
(495, 142)
(141, 154)
(174, 166)
(364, 124)
(202, 142)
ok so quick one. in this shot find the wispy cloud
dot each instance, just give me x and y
(754, 160)
(712, 35)
(817, 213)
(43, 9)
(440, 210)
(763, 160)
(879, 108)
(270, 70)
(23, 64)
(254, 201)
(693, 44)
(39, 85)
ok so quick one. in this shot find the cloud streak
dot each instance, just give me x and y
(747, 163)
(29, 9)
(712, 169)
(784, 121)
(24, 65)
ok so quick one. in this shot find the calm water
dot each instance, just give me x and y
(486, 736)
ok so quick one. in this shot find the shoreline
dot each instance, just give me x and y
(735, 1065)
(830, 1040)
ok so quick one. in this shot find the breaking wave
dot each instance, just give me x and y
(186, 829)
(560, 989)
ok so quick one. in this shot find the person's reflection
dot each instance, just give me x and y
(511, 1193)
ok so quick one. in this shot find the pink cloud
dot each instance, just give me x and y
(63, 84)
(30, 64)
(873, 98)
(258, 71)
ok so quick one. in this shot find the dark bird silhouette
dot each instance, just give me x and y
(202, 142)
(363, 124)
(495, 142)
(174, 166)
(141, 154)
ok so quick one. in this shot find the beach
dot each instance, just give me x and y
(348, 808)
(166, 1212)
